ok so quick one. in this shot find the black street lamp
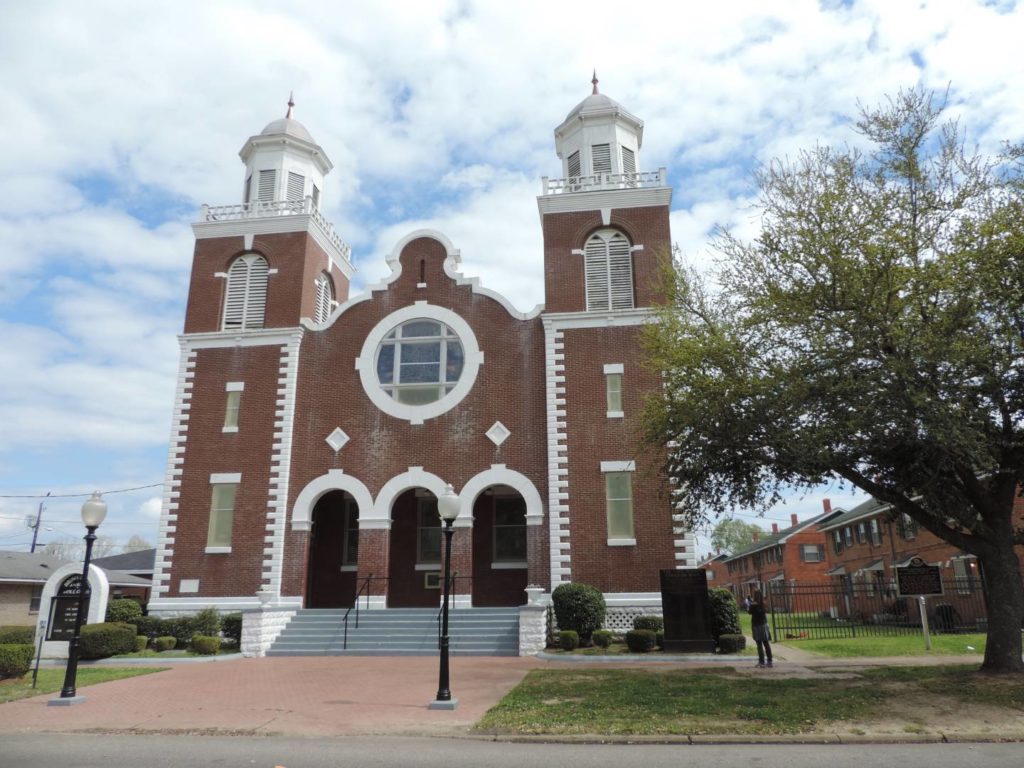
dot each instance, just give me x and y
(448, 509)
(93, 512)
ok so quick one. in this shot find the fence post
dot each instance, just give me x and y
(924, 623)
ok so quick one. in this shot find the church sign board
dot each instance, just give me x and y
(64, 608)
(918, 578)
(687, 610)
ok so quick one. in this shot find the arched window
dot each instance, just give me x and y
(324, 298)
(609, 271)
(246, 298)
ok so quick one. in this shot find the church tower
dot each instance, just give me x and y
(606, 240)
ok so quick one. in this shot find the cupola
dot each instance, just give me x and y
(284, 164)
(599, 137)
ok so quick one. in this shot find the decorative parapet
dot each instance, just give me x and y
(263, 209)
(603, 181)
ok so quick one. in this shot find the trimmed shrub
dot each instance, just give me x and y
(731, 643)
(150, 626)
(181, 628)
(15, 659)
(98, 641)
(17, 634)
(568, 640)
(141, 642)
(725, 614)
(231, 627)
(653, 623)
(123, 611)
(206, 622)
(640, 640)
(165, 643)
(204, 645)
(659, 639)
(579, 607)
(602, 638)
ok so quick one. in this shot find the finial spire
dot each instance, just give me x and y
(291, 104)
(594, 81)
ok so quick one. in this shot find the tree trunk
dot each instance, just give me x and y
(1004, 596)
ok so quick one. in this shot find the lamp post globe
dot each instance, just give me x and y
(93, 513)
(448, 510)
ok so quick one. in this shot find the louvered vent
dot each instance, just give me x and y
(267, 181)
(247, 193)
(296, 186)
(246, 299)
(608, 266)
(602, 156)
(628, 161)
(574, 164)
(324, 298)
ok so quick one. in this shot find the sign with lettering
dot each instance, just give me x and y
(687, 610)
(64, 608)
(918, 578)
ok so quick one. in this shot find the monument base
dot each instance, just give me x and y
(437, 704)
(66, 702)
(688, 646)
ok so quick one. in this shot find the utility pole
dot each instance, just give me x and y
(35, 526)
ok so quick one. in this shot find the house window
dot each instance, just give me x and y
(574, 165)
(601, 154)
(324, 298)
(428, 532)
(246, 294)
(812, 553)
(350, 538)
(268, 181)
(963, 575)
(222, 512)
(876, 532)
(613, 389)
(608, 267)
(296, 186)
(232, 405)
(848, 537)
(35, 599)
(837, 541)
(419, 362)
(618, 484)
(509, 530)
(908, 527)
(862, 533)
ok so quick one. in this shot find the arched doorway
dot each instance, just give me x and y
(499, 548)
(414, 562)
(333, 551)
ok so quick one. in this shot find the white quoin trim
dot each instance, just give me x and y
(499, 474)
(416, 477)
(334, 480)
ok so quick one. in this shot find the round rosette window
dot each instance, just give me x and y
(419, 362)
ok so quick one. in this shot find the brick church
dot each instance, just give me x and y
(313, 430)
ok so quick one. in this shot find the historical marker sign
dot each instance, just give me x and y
(918, 578)
(687, 610)
(64, 608)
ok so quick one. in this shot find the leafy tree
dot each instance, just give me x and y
(873, 332)
(136, 544)
(74, 549)
(732, 535)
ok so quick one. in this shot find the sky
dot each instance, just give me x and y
(121, 119)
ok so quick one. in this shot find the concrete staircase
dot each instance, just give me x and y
(399, 632)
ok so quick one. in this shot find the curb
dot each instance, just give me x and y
(765, 739)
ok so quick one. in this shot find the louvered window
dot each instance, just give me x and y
(324, 298)
(246, 293)
(574, 164)
(608, 271)
(602, 157)
(247, 193)
(628, 161)
(296, 186)
(267, 181)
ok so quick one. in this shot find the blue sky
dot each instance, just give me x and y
(119, 122)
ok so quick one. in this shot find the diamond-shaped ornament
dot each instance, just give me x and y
(498, 434)
(337, 439)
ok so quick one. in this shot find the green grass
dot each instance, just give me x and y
(892, 645)
(613, 702)
(51, 680)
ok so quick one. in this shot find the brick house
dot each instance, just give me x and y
(793, 555)
(715, 569)
(313, 430)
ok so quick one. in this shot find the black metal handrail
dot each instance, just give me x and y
(365, 585)
(451, 596)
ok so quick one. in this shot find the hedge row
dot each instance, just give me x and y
(15, 659)
(16, 634)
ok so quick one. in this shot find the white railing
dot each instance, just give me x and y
(260, 209)
(602, 181)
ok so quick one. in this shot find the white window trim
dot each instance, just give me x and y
(618, 466)
(621, 542)
(349, 568)
(509, 565)
(614, 368)
(622, 466)
(229, 429)
(611, 369)
(234, 386)
(217, 478)
(417, 414)
(218, 550)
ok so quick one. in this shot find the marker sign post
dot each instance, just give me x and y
(920, 580)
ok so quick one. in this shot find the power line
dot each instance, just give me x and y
(76, 495)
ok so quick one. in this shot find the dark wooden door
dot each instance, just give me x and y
(329, 585)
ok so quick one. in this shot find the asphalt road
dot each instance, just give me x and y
(40, 750)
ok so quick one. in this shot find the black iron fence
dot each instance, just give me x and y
(820, 611)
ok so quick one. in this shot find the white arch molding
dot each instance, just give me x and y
(415, 477)
(499, 474)
(334, 480)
